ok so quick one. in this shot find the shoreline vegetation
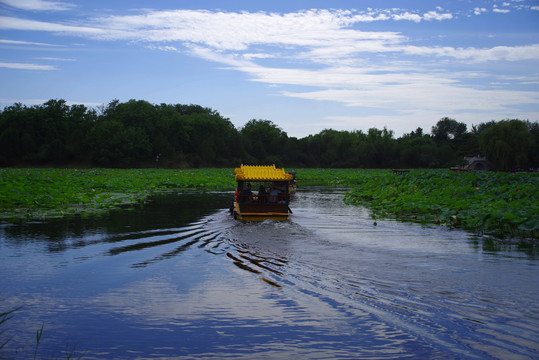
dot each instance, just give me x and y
(503, 204)
(138, 134)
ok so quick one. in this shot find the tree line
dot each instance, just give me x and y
(137, 133)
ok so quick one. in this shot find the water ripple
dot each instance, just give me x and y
(328, 283)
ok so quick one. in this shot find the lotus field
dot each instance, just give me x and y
(46, 193)
(493, 202)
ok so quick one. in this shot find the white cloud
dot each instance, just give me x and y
(39, 5)
(8, 102)
(48, 58)
(496, 9)
(407, 16)
(410, 120)
(341, 77)
(162, 48)
(12, 23)
(238, 31)
(375, 69)
(230, 31)
(323, 36)
(385, 87)
(370, 17)
(479, 11)
(23, 66)
(433, 15)
(497, 53)
(19, 42)
(427, 96)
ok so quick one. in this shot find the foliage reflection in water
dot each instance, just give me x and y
(180, 278)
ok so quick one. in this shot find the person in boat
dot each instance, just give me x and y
(274, 194)
(247, 194)
(262, 195)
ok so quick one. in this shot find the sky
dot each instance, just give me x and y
(304, 65)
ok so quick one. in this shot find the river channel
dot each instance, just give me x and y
(180, 279)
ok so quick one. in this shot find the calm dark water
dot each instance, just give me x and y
(181, 279)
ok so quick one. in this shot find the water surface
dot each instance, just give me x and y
(181, 279)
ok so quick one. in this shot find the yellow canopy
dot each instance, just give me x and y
(261, 173)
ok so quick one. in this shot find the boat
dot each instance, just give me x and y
(262, 193)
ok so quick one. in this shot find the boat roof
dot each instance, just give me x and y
(261, 173)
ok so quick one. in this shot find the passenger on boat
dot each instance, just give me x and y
(262, 196)
(247, 194)
(274, 194)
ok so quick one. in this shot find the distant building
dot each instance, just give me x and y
(478, 163)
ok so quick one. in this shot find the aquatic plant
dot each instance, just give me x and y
(39, 334)
(4, 317)
(493, 202)
(488, 202)
(46, 193)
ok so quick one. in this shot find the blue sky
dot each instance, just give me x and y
(305, 65)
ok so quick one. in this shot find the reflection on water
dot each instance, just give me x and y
(180, 278)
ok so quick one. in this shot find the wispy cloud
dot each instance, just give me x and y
(9, 102)
(497, 53)
(434, 15)
(417, 95)
(24, 66)
(39, 5)
(322, 35)
(13, 23)
(48, 58)
(376, 69)
(19, 42)
(479, 11)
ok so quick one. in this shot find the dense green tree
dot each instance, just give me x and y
(17, 134)
(135, 132)
(533, 155)
(48, 133)
(508, 144)
(450, 137)
(113, 144)
(417, 150)
(448, 129)
(105, 141)
(380, 147)
(263, 140)
(212, 138)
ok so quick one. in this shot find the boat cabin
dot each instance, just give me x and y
(262, 193)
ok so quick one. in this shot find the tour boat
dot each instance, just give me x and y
(262, 193)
